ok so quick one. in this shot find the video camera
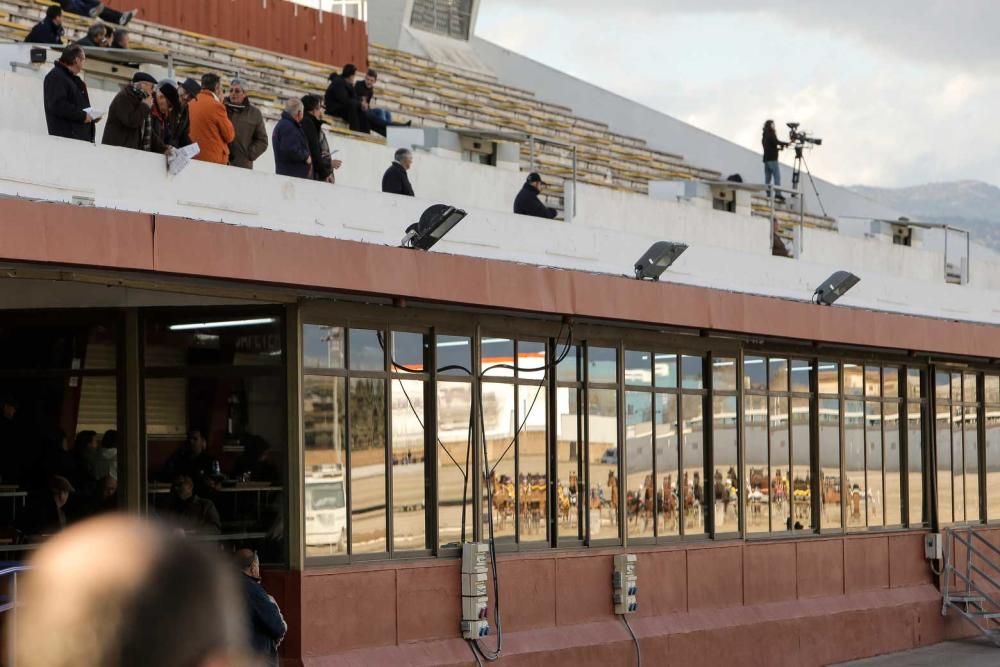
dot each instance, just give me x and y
(796, 137)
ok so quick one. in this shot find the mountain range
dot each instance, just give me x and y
(971, 205)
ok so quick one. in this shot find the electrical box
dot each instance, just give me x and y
(624, 584)
(475, 602)
(932, 547)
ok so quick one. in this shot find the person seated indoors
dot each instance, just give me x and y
(44, 510)
(96, 37)
(190, 459)
(49, 30)
(192, 513)
(97, 9)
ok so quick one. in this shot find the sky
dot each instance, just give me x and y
(901, 92)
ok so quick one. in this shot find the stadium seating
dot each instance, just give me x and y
(429, 94)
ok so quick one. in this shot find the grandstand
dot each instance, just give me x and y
(775, 465)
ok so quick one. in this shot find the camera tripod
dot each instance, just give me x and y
(797, 164)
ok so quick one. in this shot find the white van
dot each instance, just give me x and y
(326, 510)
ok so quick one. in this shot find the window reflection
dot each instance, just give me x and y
(366, 415)
(638, 368)
(499, 424)
(915, 468)
(854, 384)
(891, 448)
(958, 460)
(726, 484)
(801, 491)
(640, 483)
(602, 364)
(408, 466)
(693, 371)
(777, 371)
(724, 374)
(873, 489)
(946, 512)
(322, 346)
(757, 475)
(829, 461)
(854, 464)
(569, 485)
(667, 465)
(323, 434)
(531, 448)
(602, 425)
(755, 373)
(693, 483)
(454, 408)
(993, 457)
(971, 423)
(665, 370)
(780, 459)
(800, 374)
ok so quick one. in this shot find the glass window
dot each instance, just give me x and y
(800, 376)
(409, 475)
(694, 482)
(755, 373)
(971, 465)
(454, 407)
(219, 338)
(568, 368)
(532, 478)
(602, 501)
(944, 481)
(639, 481)
(801, 488)
(829, 457)
(893, 485)
(407, 352)
(692, 372)
(873, 454)
(499, 424)
(498, 354)
(638, 368)
(956, 386)
(890, 383)
(991, 384)
(942, 385)
(957, 462)
(365, 350)
(853, 380)
(993, 462)
(915, 453)
(969, 388)
(531, 360)
(777, 370)
(780, 460)
(454, 355)
(322, 346)
(665, 366)
(829, 383)
(568, 473)
(603, 364)
(323, 400)
(854, 464)
(913, 385)
(30, 346)
(757, 475)
(725, 458)
(724, 374)
(667, 464)
(366, 415)
(873, 381)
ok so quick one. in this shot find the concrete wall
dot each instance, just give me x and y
(806, 602)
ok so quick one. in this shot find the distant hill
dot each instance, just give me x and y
(971, 205)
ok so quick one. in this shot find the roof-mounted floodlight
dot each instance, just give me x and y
(434, 223)
(834, 287)
(658, 259)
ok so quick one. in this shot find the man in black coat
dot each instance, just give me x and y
(527, 201)
(49, 30)
(66, 98)
(130, 123)
(395, 180)
(319, 148)
(267, 625)
(342, 100)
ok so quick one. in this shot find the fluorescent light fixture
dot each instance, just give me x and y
(453, 343)
(434, 223)
(225, 324)
(658, 259)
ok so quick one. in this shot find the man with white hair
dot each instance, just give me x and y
(251, 135)
(291, 148)
(395, 179)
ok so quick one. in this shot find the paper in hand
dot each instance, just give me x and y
(95, 114)
(180, 158)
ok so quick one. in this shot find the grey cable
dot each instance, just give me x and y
(638, 651)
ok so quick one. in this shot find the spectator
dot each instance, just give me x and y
(118, 591)
(44, 512)
(319, 148)
(771, 145)
(211, 128)
(190, 459)
(98, 9)
(527, 201)
(194, 514)
(251, 134)
(67, 103)
(96, 37)
(379, 119)
(291, 148)
(120, 39)
(395, 180)
(166, 101)
(130, 122)
(266, 624)
(179, 121)
(342, 100)
(50, 29)
(255, 464)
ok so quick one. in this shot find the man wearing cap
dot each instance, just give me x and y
(211, 128)
(179, 122)
(165, 101)
(527, 201)
(129, 118)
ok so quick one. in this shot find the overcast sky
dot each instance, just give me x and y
(902, 92)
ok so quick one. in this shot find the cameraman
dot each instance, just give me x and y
(129, 122)
(772, 169)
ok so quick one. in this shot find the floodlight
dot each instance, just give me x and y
(434, 223)
(657, 259)
(834, 287)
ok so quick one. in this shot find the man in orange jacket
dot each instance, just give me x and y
(211, 128)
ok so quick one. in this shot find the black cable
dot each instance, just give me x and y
(638, 651)
(490, 656)
(475, 653)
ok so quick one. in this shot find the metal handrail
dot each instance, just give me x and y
(972, 549)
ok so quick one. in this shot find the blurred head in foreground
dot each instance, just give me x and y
(121, 592)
